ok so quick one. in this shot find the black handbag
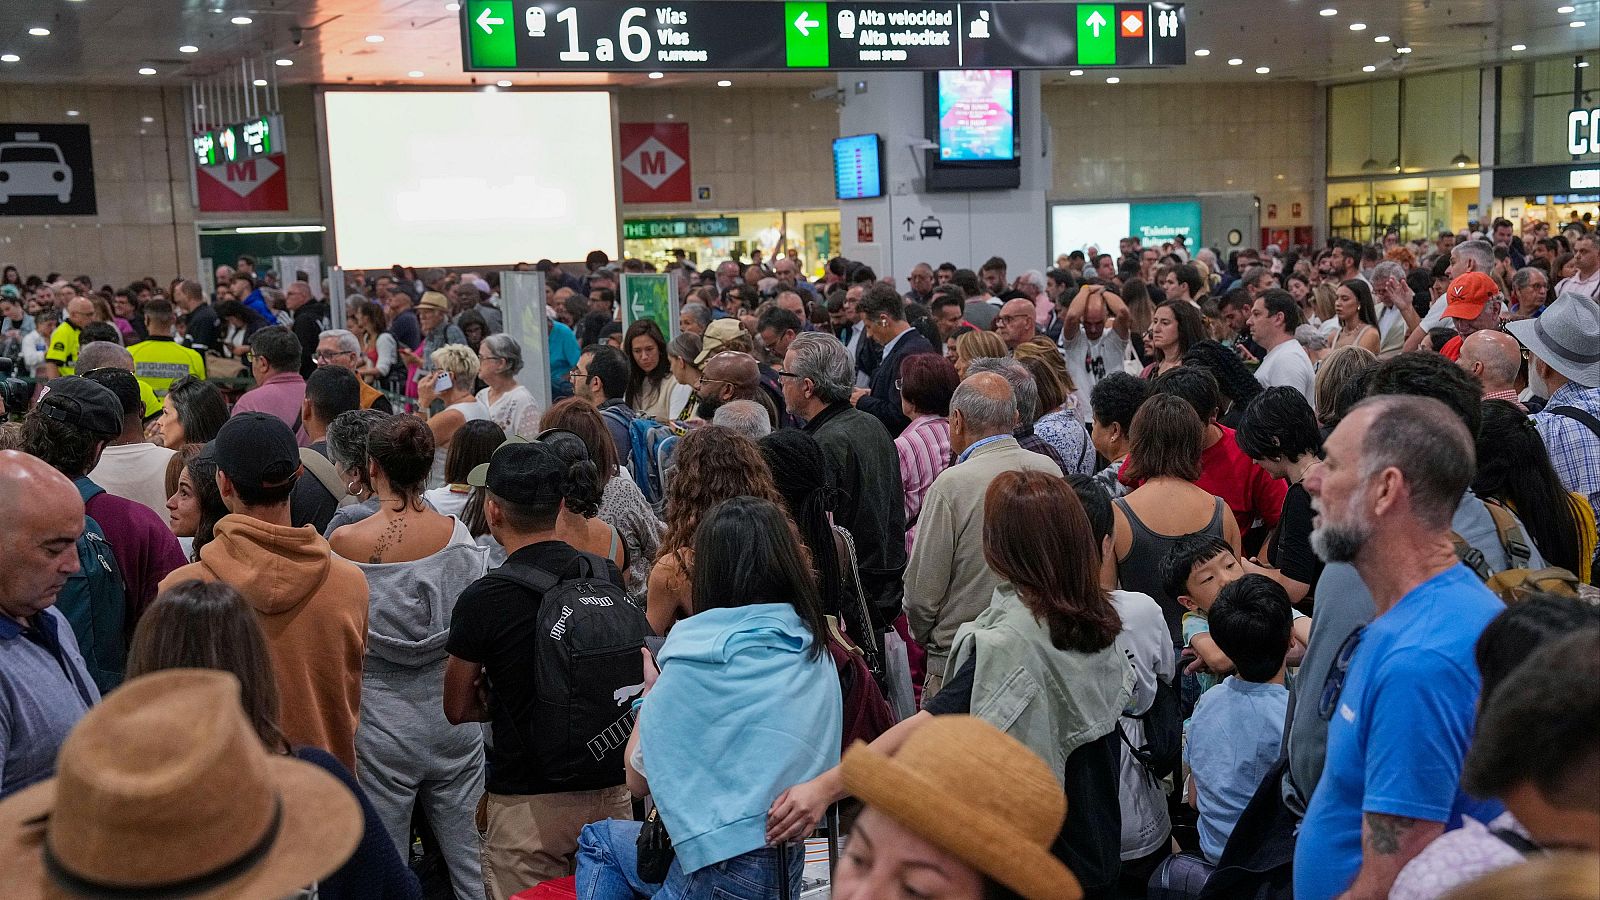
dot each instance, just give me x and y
(655, 849)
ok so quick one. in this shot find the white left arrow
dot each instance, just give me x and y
(805, 23)
(1096, 22)
(485, 20)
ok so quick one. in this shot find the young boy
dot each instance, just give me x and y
(1195, 571)
(1237, 730)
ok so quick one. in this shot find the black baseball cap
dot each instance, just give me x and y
(523, 472)
(255, 450)
(81, 403)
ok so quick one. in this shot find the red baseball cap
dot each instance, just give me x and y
(1468, 293)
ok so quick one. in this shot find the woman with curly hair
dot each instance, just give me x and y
(713, 464)
(1239, 386)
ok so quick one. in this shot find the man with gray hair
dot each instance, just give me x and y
(693, 318)
(1467, 256)
(817, 378)
(1401, 710)
(1026, 393)
(745, 417)
(1396, 316)
(948, 581)
(338, 347)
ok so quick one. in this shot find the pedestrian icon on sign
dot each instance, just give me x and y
(1167, 23)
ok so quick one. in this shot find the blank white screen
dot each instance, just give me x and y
(469, 178)
(1077, 226)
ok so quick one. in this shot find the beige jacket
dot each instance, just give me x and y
(947, 580)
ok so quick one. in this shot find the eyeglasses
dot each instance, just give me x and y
(328, 356)
(782, 374)
(1333, 687)
(577, 373)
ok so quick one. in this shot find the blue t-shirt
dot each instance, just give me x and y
(563, 352)
(1401, 729)
(1234, 739)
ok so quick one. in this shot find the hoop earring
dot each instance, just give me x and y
(353, 487)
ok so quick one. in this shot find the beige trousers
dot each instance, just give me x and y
(532, 838)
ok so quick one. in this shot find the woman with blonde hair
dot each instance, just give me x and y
(455, 371)
(1324, 300)
(977, 345)
(1337, 369)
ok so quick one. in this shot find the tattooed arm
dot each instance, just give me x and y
(1387, 844)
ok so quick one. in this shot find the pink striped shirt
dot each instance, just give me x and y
(924, 450)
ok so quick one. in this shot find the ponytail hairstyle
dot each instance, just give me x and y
(583, 476)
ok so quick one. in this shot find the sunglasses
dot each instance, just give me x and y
(1333, 687)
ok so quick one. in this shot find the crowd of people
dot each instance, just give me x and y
(1147, 574)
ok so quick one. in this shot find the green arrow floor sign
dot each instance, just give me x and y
(492, 41)
(1097, 35)
(805, 34)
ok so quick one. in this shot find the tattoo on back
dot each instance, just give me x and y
(1387, 831)
(390, 536)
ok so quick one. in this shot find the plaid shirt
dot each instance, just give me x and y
(1574, 448)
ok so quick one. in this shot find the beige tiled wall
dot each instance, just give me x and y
(146, 219)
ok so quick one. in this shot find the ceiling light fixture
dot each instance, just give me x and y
(656, 75)
(1582, 64)
(1327, 11)
(1113, 80)
(72, 112)
(1381, 39)
(1262, 70)
(1563, 10)
(1578, 24)
(188, 48)
(1518, 48)
(452, 7)
(147, 119)
(1402, 49)
(1236, 61)
(1358, 26)
(1075, 72)
(414, 73)
(241, 20)
(283, 62)
(1369, 68)
(147, 71)
(10, 57)
(280, 229)
(503, 83)
(38, 31)
(374, 38)
(1202, 52)
(724, 83)
(259, 82)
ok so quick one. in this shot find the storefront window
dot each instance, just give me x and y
(1416, 207)
(1363, 128)
(1535, 100)
(710, 238)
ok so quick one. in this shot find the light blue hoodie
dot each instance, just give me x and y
(741, 712)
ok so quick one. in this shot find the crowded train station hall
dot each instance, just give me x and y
(756, 450)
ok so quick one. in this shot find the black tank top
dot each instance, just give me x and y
(1140, 570)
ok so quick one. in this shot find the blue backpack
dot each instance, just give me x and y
(650, 457)
(94, 602)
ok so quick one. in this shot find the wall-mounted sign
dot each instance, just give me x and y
(1583, 131)
(763, 35)
(648, 229)
(655, 162)
(232, 143)
(1078, 226)
(46, 170)
(251, 185)
(650, 296)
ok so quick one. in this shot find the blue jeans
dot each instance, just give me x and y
(608, 856)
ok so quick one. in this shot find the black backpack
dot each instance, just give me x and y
(1163, 731)
(587, 672)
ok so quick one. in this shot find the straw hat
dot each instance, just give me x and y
(977, 793)
(164, 789)
(718, 335)
(434, 300)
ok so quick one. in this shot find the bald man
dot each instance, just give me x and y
(62, 357)
(730, 375)
(948, 582)
(1015, 323)
(44, 686)
(1495, 358)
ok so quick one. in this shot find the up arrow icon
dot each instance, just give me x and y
(1095, 21)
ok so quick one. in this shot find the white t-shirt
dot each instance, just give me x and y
(516, 412)
(137, 472)
(1287, 365)
(1148, 647)
(1089, 361)
(1436, 317)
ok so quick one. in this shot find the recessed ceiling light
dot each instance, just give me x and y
(1262, 70)
(1381, 39)
(1578, 24)
(1518, 48)
(724, 83)
(10, 57)
(490, 89)
(374, 38)
(241, 20)
(1563, 10)
(1327, 11)
(414, 73)
(1582, 64)
(283, 62)
(1113, 80)
(147, 71)
(672, 115)
(1202, 52)
(1358, 26)
(655, 75)
(1402, 49)
(1236, 61)
(259, 82)
(503, 83)
(452, 7)
(147, 119)
(1369, 68)
(72, 112)
(1075, 73)
(188, 48)
(38, 31)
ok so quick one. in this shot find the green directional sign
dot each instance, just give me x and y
(1097, 34)
(805, 35)
(492, 40)
(650, 296)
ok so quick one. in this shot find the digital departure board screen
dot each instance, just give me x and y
(858, 167)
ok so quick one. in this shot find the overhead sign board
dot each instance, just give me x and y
(235, 143)
(761, 35)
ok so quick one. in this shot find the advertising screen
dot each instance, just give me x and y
(857, 167)
(448, 197)
(977, 116)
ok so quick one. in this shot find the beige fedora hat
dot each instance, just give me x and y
(164, 789)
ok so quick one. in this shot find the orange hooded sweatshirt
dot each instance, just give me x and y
(312, 606)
